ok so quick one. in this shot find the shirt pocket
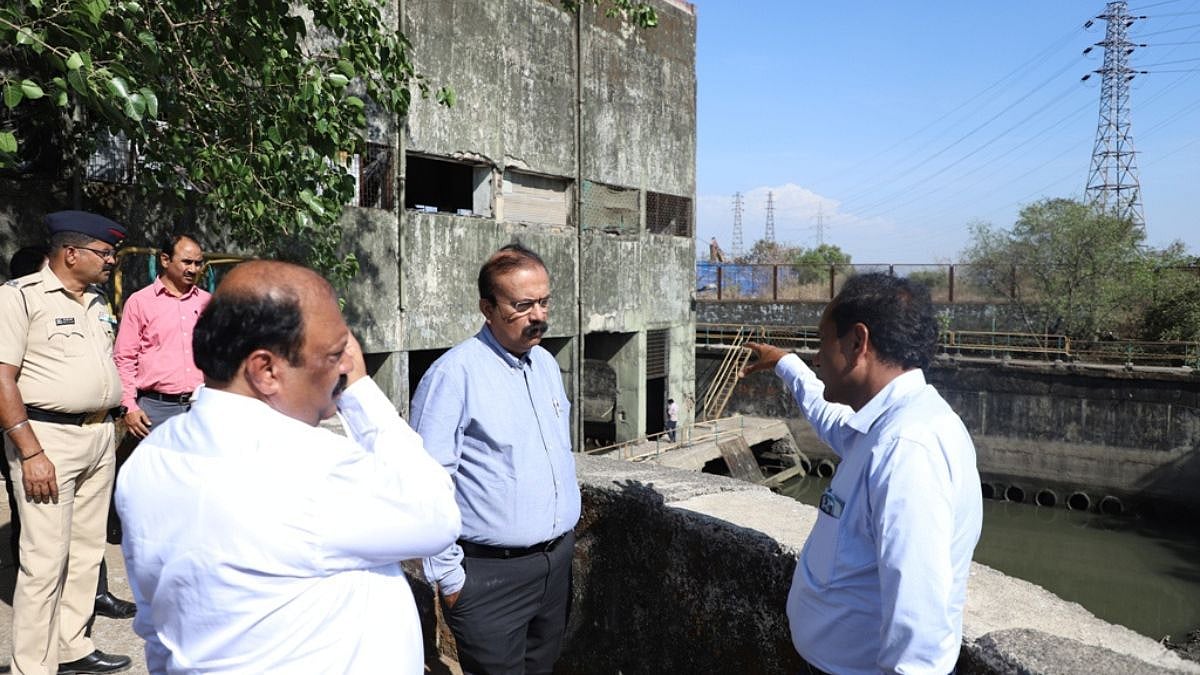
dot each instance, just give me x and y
(820, 553)
(67, 339)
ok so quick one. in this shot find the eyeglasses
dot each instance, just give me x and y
(523, 307)
(105, 254)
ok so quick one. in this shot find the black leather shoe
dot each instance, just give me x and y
(96, 662)
(114, 608)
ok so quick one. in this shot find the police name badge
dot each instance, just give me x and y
(65, 321)
(831, 504)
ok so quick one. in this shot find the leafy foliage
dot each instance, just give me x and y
(1073, 269)
(811, 264)
(252, 108)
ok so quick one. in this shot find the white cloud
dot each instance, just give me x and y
(797, 210)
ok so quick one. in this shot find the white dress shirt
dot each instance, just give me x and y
(255, 543)
(881, 582)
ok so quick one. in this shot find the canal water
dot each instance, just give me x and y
(1126, 570)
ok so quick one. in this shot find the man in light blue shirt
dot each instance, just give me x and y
(881, 582)
(494, 412)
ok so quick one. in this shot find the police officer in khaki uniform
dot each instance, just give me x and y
(58, 391)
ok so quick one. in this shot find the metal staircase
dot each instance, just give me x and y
(721, 387)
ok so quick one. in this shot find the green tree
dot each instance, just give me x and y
(1070, 268)
(812, 264)
(250, 107)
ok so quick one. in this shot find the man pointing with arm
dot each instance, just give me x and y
(881, 582)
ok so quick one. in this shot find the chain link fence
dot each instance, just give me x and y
(608, 208)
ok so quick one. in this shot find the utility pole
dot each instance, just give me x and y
(737, 249)
(769, 235)
(1113, 183)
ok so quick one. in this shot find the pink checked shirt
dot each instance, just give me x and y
(154, 343)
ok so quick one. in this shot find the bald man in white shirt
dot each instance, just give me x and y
(259, 542)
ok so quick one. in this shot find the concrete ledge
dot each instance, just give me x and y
(678, 571)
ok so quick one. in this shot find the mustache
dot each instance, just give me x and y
(340, 386)
(535, 329)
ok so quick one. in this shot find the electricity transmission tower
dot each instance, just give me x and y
(769, 235)
(1113, 181)
(737, 248)
(820, 225)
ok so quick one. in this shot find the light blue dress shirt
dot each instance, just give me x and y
(501, 426)
(881, 582)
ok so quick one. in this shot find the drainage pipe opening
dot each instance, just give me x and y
(1111, 506)
(1015, 493)
(825, 468)
(1079, 501)
(1046, 497)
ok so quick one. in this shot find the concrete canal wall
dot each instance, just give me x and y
(1103, 432)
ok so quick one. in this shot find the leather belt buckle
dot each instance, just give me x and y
(185, 398)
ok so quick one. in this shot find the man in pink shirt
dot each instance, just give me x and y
(154, 344)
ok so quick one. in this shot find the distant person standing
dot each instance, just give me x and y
(494, 413)
(882, 579)
(59, 390)
(672, 418)
(154, 343)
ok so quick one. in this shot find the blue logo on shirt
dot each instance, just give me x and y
(831, 504)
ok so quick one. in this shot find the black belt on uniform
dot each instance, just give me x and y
(76, 419)
(473, 550)
(183, 398)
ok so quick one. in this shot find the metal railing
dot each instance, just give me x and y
(956, 283)
(985, 344)
(653, 445)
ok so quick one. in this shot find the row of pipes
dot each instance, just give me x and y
(1076, 501)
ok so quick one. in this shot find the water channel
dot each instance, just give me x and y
(1127, 570)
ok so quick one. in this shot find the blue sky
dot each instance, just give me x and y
(901, 123)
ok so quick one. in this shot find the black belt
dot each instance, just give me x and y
(183, 398)
(473, 550)
(76, 419)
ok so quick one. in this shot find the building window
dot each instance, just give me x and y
(529, 198)
(374, 177)
(608, 208)
(447, 186)
(668, 214)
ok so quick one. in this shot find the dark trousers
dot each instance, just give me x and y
(511, 613)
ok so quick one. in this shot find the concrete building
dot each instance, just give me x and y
(575, 134)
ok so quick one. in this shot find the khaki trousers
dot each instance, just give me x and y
(61, 546)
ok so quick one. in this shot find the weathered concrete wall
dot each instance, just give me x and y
(680, 572)
(512, 66)
(636, 283)
(1133, 435)
(963, 316)
(639, 93)
(439, 275)
(372, 299)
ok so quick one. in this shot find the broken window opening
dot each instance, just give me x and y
(611, 209)
(668, 214)
(447, 186)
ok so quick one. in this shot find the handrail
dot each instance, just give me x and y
(997, 344)
(709, 430)
(721, 387)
